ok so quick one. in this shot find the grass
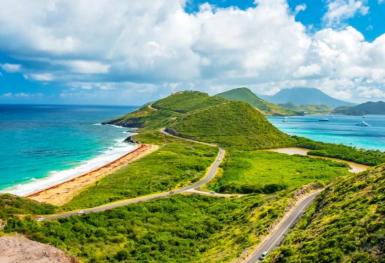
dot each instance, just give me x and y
(231, 124)
(173, 165)
(345, 224)
(268, 172)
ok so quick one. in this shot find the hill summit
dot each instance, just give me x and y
(364, 108)
(266, 108)
(305, 96)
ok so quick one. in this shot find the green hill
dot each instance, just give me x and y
(162, 112)
(345, 224)
(309, 109)
(267, 108)
(364, 108)
(230, 124)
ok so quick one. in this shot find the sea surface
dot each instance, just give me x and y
(42, 145)
(340, 129)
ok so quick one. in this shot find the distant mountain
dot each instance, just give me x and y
(305, 96)
(310, 109)
(364, 108)
(266, 108)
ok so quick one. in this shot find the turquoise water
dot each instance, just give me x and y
(44, 145)
(340, 129)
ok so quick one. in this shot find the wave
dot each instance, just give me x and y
(113, 153)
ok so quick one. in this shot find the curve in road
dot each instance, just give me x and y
(210, 175)
(277, 236)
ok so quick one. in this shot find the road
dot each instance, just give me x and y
(210, 175)
(276, 237)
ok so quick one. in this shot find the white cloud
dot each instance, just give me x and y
(7, 95)
(340, 10)
(10, 68)
(155, 47)
(299, 8)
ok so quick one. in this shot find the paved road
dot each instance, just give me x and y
(210, 175)
(275, 238)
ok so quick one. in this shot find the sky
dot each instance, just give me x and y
(129, 52)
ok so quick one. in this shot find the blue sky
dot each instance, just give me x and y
(122, 52)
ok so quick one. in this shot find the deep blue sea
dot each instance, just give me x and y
(340, 129)
(41, 145)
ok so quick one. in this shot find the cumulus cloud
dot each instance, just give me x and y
(340, 10)
(155, 47)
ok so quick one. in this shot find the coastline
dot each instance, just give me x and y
(63, 192)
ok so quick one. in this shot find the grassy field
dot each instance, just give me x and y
(345, 224)
(268, 172)
(173, 165)
(176, 229)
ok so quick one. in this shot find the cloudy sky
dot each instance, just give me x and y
(130, 52)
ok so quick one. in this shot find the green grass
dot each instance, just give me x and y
(231, 124)
(345, 224)
(268, 172)
(267, 108)
(11, 205)
(340, 151)
(176, 229)
(173, 165)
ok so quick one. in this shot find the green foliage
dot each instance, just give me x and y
(11, 205)
(267, 108)
(176, 229)
(309, 109)
(269, 172)
(345, 224)
(340, 151)
(186, 101)
(173, 165)
(231, 124)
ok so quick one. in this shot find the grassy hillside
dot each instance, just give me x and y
(231, 124)
(308, 109)
(11, 205)
(345, 224)
(364, 108)
(267, 108)
(253, 172)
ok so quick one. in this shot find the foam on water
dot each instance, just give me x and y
(56, 177)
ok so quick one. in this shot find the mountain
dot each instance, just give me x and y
(267, 108)
(310, 109)
(345, 224)
(364, 108)
(305, 96)
(235, 124)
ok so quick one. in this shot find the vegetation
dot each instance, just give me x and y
(269, 172)
(368, 157)
(186, 101)
(308, 109)
(14, 205)
(266, 108)
(364, 108)
(174, 164)
(231, 124)
(175, 229)
(345, 224)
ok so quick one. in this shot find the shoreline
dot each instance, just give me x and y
(63, 192)
(353, 167)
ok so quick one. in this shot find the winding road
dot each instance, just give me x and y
(209, 175)
(279, 233)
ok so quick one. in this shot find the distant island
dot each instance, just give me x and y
(362, 109)
(308, 109)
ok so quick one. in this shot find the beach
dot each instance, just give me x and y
(62, 193)
(354, 167)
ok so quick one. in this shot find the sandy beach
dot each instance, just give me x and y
(354, 167)
(62, 193)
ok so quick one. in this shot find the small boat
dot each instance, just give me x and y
(285, 119)
(363, 124)
(364, 116)
(324, 119)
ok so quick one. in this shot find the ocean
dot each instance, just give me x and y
(340, 129)
(42, 145)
